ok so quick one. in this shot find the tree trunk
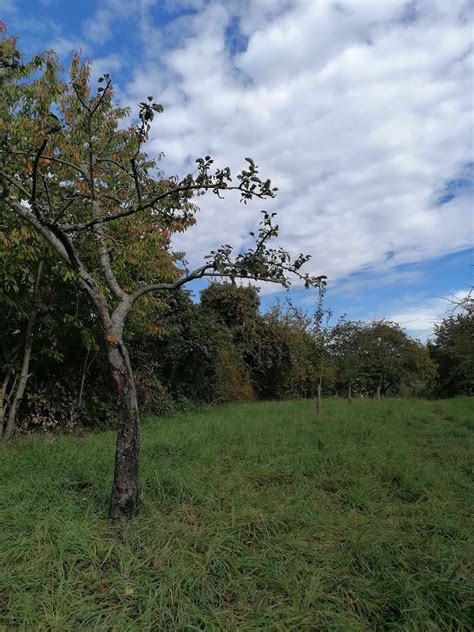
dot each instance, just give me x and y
(87, 366)
(25, 365)
(379, 388)
(349, 392)
(318, 399)
(123, 504)
(3, 400)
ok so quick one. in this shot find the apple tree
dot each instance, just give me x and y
(75, 170)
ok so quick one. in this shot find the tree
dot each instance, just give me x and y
(463, 304)
(179, 355)
(322, 333)
(390, 358)
(345, 348)
(274, 351)
(76, 173)
(234, 312)
(21, 272)
(453, 351)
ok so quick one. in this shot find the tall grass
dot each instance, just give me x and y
(253, 517)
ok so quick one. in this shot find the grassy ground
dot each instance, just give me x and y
(253, 517)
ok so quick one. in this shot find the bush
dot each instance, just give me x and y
(50, 408)
(232, 379)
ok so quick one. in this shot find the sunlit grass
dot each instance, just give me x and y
(253, 517)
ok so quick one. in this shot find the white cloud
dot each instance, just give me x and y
(419, 319)
(360, 111)
(99, 28)
(64, 47)
(351, 287)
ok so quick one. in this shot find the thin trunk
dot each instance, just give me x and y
(25, 365)
(87, 366)
(3, 400)
(123, 504)
(318, 399)
(349, 392)
(379, 387)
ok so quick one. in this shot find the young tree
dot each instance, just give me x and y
(21, 271)
(71, 169)
(322, 333)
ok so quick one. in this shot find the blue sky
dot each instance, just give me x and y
(360, 111)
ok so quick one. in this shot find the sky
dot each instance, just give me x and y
(360, 112)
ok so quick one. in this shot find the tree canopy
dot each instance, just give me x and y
(74, 168)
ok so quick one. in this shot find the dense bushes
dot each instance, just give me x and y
(452, 348)
(220, 349)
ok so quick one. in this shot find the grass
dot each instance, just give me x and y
(253, 517)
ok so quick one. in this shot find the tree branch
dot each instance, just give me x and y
(148, 204)
(13, 182)
(153, 287)
(104, 255)
(35, 174)
(60, 161)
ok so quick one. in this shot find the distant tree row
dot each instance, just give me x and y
(218, 350)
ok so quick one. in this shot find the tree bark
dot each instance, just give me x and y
(379, 388)
(25, 365)
(318, 399)
(124, 500)
(3, 400)
(349, 392)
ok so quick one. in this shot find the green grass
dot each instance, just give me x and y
(253, 517)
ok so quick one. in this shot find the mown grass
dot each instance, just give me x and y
(253, 517)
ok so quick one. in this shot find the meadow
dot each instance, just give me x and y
(255, 516)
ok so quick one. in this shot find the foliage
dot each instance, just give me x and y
(49, 409)
(452, 348)
(75, 176)
(346, 348)
(181, 356)
(379, 357)
(232, 378)
(277, 347)
(391, 357)
(233, 306)
(252, 517)
(285, 358)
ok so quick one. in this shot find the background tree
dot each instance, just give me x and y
(390, 358)
(452, 348)
(72, 171)
(345, 345)
(321, 331)
(298, 351)
(177, 358)
(21, 272)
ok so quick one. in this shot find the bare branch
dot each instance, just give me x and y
(13, 182)
(117, 164)
(60, 161)
(137, 181)
(80, 99)
(35, 173)
(148, 204)
(104, 255)
(101, 97)
(198, 273)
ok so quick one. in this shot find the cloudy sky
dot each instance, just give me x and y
(360, 111)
